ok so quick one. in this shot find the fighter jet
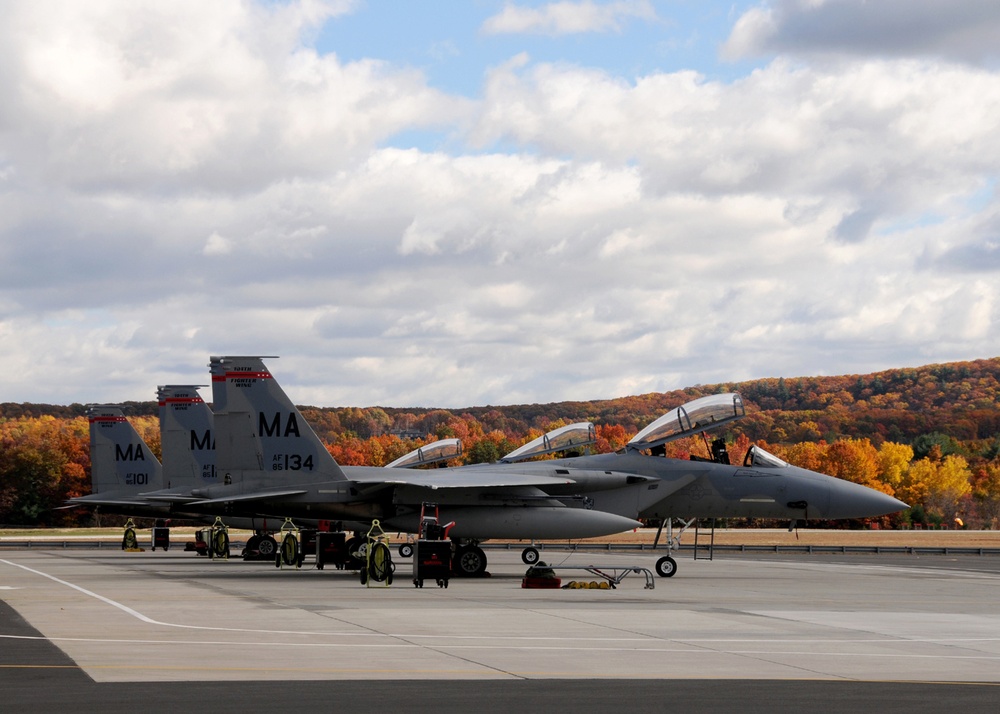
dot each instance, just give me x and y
(270, 460)
(762, 486)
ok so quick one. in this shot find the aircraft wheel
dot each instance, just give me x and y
(266, 546)
(470, 561)
(530, 556)
(406, 550)
(356, 548)
(666, 567)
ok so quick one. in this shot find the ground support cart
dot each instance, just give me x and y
(378, 564)
(289, 548)
(331, 548)
(161, 537)
(611, 574)
(218, 545)
(431, 561)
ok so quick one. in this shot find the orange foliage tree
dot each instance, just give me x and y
(43, 461)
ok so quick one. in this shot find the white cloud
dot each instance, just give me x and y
(567, 18)
(122, 96)
(218, 245)
(228, 189)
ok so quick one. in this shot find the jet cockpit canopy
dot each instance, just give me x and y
(561, 439)
(429, 454)
(692, 418)
(757, 457)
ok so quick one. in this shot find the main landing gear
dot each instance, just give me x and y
(260, 546)
(469, 561)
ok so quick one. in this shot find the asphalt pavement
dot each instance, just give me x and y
(160, 631)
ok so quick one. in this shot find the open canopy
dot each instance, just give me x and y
(430, 454)
(692, 418)
(561, 439)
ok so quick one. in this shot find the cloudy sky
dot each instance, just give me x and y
(478, 202)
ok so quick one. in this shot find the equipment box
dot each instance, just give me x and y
(161, 537)
(307, 541)
(331, 548)
(431, 561)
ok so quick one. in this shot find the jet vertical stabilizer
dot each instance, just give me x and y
(259, 429)
(121, 465)
(121, 462)
(187, 438)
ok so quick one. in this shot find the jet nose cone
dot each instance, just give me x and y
(851, 500)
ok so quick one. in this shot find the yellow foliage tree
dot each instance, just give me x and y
(893, 462)
(938, 486)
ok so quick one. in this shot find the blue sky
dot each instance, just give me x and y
(453, 49)
(468, 203)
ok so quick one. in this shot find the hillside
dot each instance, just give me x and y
(929, 435)
(959, 399)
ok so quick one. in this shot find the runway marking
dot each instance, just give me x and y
(918, 570)
(494, 647)
(884, 639)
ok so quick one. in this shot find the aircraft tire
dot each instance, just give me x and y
(266, 546)
(666, 567)
(406, 550)
(354, 546)
(530, 556)
(469, 562)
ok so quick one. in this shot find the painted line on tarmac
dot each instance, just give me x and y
(149, 620)
(682, 642)
(495, 647)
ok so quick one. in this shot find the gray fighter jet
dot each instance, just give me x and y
(270, 460)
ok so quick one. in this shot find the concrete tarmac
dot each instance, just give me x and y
(169, 629)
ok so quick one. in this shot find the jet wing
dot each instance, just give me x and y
(256, 496)
(108, 502)
(171, 498)
(457, 478)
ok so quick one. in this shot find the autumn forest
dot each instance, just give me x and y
(929, 436)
